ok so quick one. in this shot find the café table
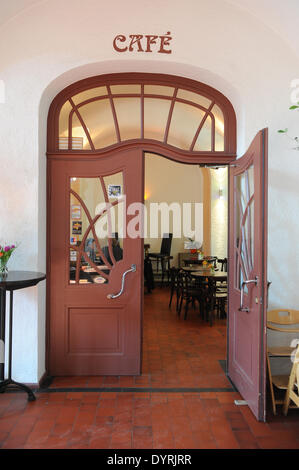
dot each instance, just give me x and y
(216, 275)
(194, 260)
(190, 269)
(12, 281)
(209, 289)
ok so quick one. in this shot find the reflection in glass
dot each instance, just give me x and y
(158, 90)
(194, 98)
(184, 124)
(204, 142)
(219, 128)
(128, 128)
(96, 221)
(99, 121)
(156, 112)
(114, 116)
(88, 94)
(244, 226)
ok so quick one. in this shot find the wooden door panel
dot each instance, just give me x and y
(248, 274)
(91, 334)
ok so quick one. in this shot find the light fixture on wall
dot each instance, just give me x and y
(221, 193)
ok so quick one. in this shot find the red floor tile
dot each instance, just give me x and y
(176, 354)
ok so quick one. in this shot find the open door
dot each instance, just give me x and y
(248, 275)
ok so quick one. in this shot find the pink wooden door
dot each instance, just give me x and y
(93, 330)
(248, 274)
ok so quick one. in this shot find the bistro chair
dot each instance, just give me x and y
(174, 286)
(223, 263)
(282, 321)
(164, 256)
(188, 292)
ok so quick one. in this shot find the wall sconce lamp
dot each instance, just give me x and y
(221, 194)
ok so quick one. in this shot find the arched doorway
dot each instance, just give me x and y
(98, 131)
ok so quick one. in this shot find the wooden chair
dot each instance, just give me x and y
(164, 256)
(292, 393)
(188, 292)
(174, 286)
(284, 321)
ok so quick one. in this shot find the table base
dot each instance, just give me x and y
(6, 383)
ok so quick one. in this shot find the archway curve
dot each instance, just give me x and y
(146, 145)
(217, 99)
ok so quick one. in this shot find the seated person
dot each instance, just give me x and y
(116, 249)
(90, 249)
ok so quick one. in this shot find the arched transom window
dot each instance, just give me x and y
(100, 115)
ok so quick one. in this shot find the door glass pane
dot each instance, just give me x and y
(219, 128)
(125, 89)
(184, 124)
(158, 90)
(204, 142)
(93, 253)
(64, 125)
(115, 191)
(194, 98)
(244, 228)
(128, 128)
(156, 114)
(99, 121)
(79, 138)
(88, 94)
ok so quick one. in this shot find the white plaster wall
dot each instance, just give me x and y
(54, 43)
(219, 213)
(170, 182)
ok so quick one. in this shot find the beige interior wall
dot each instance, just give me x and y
(219, 212)
(169, 181)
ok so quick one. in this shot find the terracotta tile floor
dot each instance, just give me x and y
(176, 354)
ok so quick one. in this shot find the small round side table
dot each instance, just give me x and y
(14, 280)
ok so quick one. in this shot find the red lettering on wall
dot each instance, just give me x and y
(143, 43)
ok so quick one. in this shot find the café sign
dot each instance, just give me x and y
(143, 43)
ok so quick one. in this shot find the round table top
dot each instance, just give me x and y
(20, 279)
(215, 274)
(192, 268)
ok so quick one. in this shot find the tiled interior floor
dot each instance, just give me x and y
(154, 410)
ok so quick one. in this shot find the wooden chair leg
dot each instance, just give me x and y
(180, 306)
(177, 300)
(271, 386)
(291, 384)
(186, 308)
(171, 295)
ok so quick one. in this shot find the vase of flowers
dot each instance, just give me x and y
(5, 253)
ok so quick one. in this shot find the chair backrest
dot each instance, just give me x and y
(166, 244)
(173, 273)
(223, 263)
(283, 317)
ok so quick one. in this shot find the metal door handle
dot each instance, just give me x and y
(244, 283)
(131, 270)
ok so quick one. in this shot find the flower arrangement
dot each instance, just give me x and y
(207, 265)
(5, 253)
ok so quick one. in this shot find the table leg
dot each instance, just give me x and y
(2, 331)
(4, 385)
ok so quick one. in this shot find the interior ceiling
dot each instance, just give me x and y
(281, 16)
